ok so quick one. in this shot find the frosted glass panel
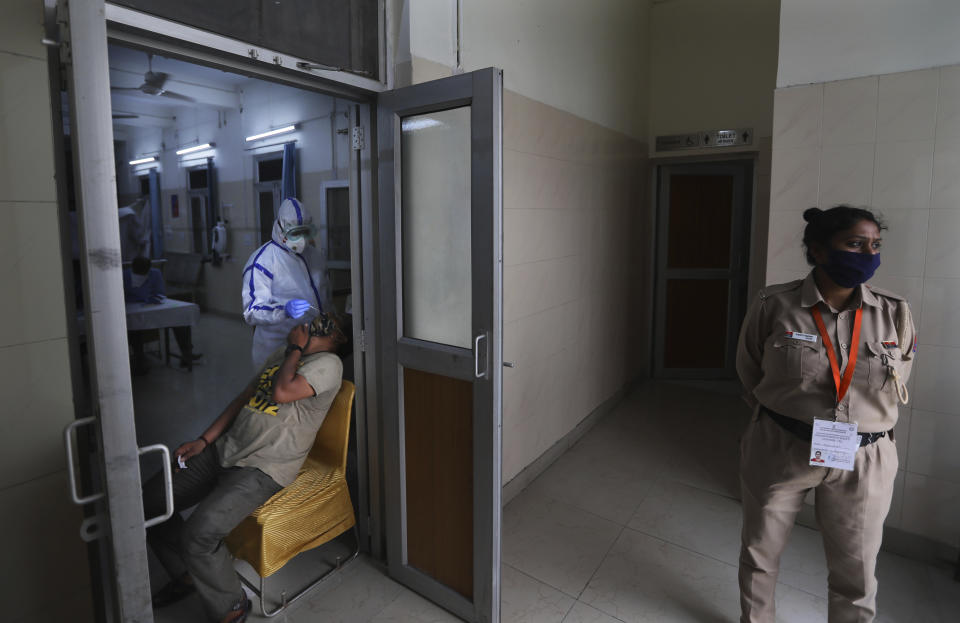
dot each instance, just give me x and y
(435, 217)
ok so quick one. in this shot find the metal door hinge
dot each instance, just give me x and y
(363, 340)
(358, 142)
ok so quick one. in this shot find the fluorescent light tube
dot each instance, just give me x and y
(289, 128)
(143, 160)
(190, 150)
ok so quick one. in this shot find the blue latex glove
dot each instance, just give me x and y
(296, 308)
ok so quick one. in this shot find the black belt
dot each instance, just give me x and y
(804, 431)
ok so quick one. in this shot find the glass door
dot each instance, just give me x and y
(440, 338)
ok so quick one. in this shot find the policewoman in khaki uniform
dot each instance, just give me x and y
(824, 361)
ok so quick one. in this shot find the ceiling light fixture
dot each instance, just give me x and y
(190, 150)
(283, 130)
(143, 160)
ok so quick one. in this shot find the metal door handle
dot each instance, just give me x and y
(71, 476)
(167, 482)
(476, 356)
(90, 528)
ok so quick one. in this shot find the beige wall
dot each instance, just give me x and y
(713, 65)
(585, 58)
(42, 552)
(890, 142)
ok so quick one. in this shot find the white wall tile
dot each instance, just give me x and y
(44, 554)
(21, 28)
(936, 386)
(796, 118)
(903, 253)
(43, 401)
(933, 448)
(910, 288)
(850, 111)
(931, 507)
(795, 179)
(940, 317)
(948, 107)
(846, 175)
(945, 190)
(943, 250)
(785, 251)
(902, 174)
(26, 161)
(34, 303)
(533, 235)
(908, 105)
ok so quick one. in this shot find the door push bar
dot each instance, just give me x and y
(91, 528)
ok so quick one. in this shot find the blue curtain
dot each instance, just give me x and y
(156, 224)
(289, 180)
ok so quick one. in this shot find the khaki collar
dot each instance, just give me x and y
(810, 295)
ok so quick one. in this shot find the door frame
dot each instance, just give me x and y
(741, 237)
(119, 563)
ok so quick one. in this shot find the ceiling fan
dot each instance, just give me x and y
(153, 82)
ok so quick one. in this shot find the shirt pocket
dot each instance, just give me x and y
(880, 361)
(796, 359)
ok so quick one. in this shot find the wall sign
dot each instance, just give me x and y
(705, 139)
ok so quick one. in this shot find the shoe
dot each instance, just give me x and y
(174, 591)
(239, 613)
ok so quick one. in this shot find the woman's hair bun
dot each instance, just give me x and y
(812, 214)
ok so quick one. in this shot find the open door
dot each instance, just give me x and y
(439, 146)
(108, 455)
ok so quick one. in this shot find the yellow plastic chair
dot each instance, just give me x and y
(314, 509)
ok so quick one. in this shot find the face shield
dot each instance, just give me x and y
(297, 237)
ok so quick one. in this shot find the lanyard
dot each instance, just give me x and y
(841, 384)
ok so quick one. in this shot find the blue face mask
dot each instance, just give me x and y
(850, 269)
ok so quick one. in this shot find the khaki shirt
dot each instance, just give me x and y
(276, 438)
(793, 377)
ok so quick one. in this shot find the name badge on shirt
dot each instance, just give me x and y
(796, 335)
(834, 444)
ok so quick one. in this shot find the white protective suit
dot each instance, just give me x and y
(274, 275)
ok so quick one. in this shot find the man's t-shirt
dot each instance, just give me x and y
(276, 438)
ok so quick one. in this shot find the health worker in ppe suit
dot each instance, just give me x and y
(283, 281)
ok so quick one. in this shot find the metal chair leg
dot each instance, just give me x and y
(261, 591)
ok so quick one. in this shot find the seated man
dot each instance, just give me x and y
(143, 284)
(249, 453)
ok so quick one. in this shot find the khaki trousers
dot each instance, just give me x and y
(851, 506)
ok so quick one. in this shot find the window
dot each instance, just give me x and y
(144, 185)
(198, 193)
(269, 174)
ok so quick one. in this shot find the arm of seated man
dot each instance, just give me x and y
(289, 386)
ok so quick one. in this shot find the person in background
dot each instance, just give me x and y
(282, 280)
(823, 360)
(250, 452)
(144, 284)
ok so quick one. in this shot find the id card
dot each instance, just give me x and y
(834, 444)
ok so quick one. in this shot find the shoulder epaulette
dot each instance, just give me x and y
(887, 293)
(778, 288)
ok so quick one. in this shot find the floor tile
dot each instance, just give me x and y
(409, 607)
(796, 606)
(905, 592)
(554, 542)
(698, 520)
(582, 613)
(646, 579)
(526, 600)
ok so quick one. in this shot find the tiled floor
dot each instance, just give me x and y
(639, 521)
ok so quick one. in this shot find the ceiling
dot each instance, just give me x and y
(208, 88)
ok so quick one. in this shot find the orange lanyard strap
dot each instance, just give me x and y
(841, 384)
